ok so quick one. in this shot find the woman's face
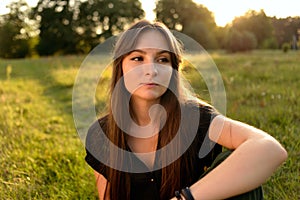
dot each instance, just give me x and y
(147, 69)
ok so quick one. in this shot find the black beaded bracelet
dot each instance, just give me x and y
(187, 194)
(177, 195)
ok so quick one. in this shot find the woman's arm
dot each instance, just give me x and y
(256, 157)
(101, 184)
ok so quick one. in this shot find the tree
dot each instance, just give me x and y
(98, 20)
(285, 29)
(13, 37)
(190, 18)
(221, 36)
(255, 22)
(57, 33)
(77, 26)
(240, 41)
(202, 34)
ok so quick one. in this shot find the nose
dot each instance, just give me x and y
(150, 69)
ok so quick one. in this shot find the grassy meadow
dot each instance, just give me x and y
(42, 157)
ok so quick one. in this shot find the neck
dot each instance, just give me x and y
(141, 110)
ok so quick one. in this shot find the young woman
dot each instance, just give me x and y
(155, 131)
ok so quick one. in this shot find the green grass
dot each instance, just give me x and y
(42, 157)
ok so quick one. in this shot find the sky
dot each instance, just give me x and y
(224, 11)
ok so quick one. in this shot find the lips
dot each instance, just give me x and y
(149, 84)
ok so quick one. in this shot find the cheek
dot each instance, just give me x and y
(132, 79)
(164, 76)
(127, 77)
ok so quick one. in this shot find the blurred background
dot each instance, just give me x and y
(254, 44)
(48, 27)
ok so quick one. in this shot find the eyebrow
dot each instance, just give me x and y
(143, 52)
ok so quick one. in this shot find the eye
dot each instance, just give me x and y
(137, 58)
(163, 60)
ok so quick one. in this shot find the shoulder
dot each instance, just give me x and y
(205, 111)
(96, 133)
(196, 119)
(96, 145)
(201, 122)
(100, 124)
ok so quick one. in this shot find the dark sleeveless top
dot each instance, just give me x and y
(146, 185)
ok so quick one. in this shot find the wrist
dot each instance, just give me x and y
(186, 193)
(178, 195)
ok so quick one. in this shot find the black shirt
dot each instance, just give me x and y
(146, 185)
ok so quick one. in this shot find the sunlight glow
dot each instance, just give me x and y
(224, 11)
(148, 6)
(4, 3)
(3, 8)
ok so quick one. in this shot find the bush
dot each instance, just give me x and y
(286, 47)
(270, 43)
(12, 46)
(240, 41)
(199, 32)
(249, 41)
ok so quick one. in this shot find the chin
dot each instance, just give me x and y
(147, 97)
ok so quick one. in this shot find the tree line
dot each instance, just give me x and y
(76, 26)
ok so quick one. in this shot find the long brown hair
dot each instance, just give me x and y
(171, 179)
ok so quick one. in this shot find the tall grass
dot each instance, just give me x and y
(263, 90)
(42, 157)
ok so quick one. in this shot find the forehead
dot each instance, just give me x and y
(152, 39)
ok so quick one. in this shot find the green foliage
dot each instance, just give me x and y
(13, 40)
(68, 27)
(57, 33)
(286, 47)
(285, 29)
(255, 22)
(270, 43)
(240, 41)
(190, 18)
(200, 32)
(75, 26)
(221, 36)
(11, 45)
(100, 19)
(42, 157)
